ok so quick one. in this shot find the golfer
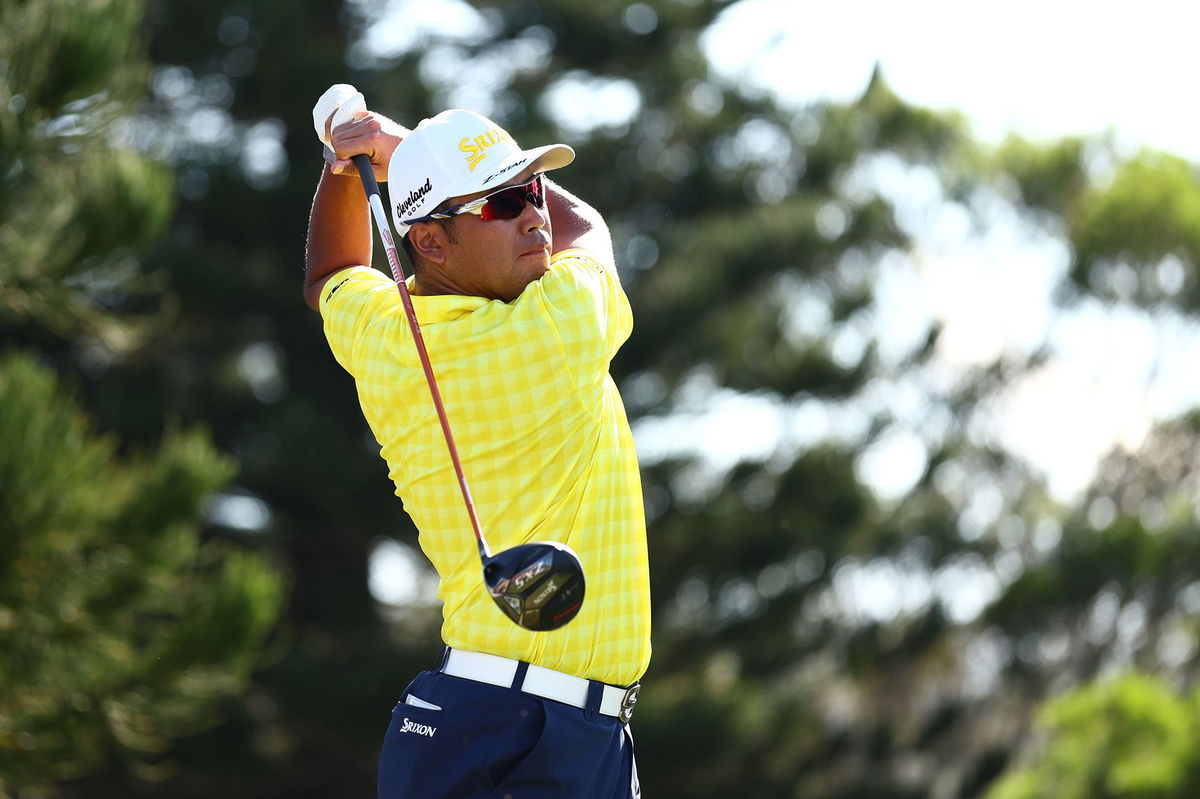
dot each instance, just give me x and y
(520, 305)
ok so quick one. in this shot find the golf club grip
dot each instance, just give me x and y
(367, 174)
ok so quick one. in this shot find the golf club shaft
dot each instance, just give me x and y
(367, 174)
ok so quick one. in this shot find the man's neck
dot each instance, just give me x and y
(430, 285)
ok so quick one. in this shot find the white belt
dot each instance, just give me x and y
(539, 681)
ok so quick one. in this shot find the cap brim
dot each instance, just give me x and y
(542, 159)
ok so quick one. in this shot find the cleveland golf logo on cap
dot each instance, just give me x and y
(476, 147)
(414, 197)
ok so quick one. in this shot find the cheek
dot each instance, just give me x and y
(498, 241)
(474, 243)
(491, 252)
(489, 246)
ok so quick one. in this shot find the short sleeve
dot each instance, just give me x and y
(349, 301)
(587, 302)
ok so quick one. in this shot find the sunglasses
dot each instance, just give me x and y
(506, 203)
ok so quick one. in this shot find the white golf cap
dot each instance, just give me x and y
(455, 153)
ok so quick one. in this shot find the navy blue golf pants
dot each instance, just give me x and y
(480, 740)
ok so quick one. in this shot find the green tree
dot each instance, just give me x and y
(752, 239)
(74, 206)
(1131, 737)
(122, 627)
(123, 624)
(1132, 221)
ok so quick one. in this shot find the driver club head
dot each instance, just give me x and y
(539, 586)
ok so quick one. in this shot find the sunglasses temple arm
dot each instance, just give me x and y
(367, 174)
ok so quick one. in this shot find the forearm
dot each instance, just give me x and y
(576, 224)
(339, 231)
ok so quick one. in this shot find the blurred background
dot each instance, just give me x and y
(913, 384)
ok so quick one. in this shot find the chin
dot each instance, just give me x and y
(539, 268)
(532, 277)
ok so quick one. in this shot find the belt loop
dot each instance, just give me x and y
(442, 657)
(594, 697)
(519, 678)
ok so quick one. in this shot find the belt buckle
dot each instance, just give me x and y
(628, 701)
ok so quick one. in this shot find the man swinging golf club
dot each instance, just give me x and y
(520, 312)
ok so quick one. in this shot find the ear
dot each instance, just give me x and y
(429, 241)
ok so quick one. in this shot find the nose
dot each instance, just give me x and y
(533, 218)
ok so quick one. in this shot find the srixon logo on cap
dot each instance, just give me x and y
(476, 148)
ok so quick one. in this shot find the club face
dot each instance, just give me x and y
(539, 586)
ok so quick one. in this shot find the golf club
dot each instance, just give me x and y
(539, 586)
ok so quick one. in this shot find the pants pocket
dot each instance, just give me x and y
(515, 750)
(429, 754)
(416, 701)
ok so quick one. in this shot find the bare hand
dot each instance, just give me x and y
(368, 133)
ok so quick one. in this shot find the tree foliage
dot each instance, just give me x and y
(122, 625)
(1130, 737)
(811, 634)
(74, 206)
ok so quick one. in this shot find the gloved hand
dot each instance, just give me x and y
(337, 105)
(376, 136)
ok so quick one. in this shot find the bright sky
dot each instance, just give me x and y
(1044, 69)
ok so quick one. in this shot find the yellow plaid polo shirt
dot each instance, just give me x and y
(543, 438)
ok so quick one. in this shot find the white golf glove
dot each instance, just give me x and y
(341, 101)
